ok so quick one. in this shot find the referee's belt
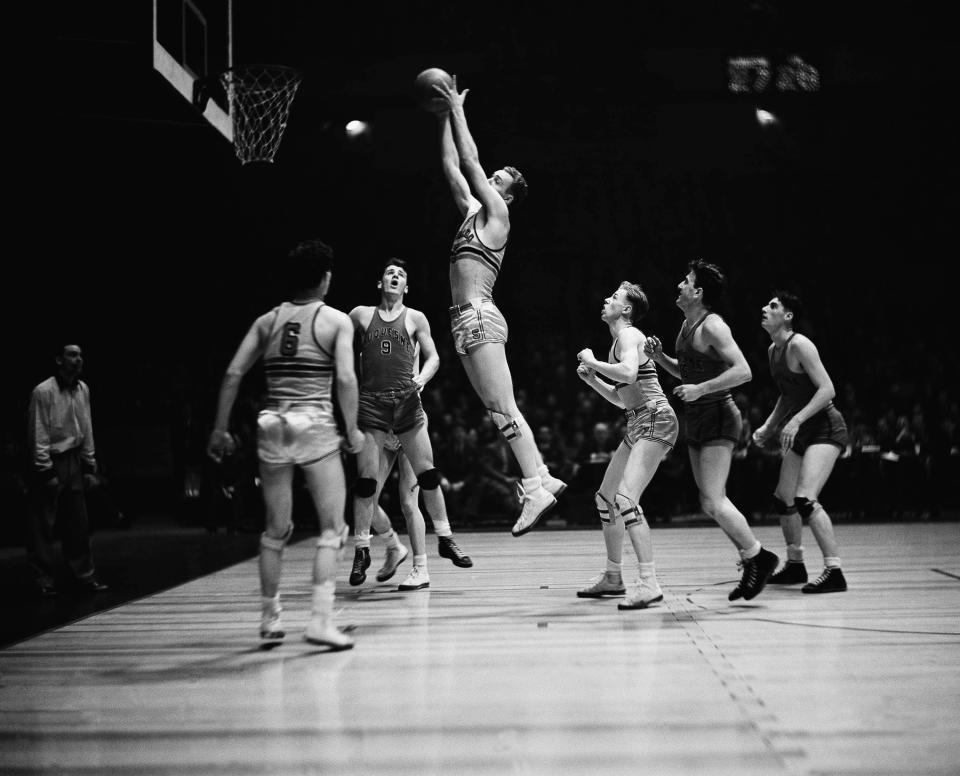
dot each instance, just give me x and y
(470, 304)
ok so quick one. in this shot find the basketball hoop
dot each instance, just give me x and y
(259, 97)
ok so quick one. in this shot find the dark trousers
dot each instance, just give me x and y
(60, 510)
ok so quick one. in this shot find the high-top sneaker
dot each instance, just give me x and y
(645, 594)
(361, 562)
(603, 584)
(793, 572)
(395, 556)
(830, 581)
(447, 548)
(756, 572)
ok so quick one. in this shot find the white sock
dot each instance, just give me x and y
(362, 539)
(795, 553)
(442, 528)
(322, 606)
(271, 604)
(543, 471)
(646, 570)
(392, 539)
(420, 560)
(614, 569)
(531, 484)
(750, 553)
(831, 563)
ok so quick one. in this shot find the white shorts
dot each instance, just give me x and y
(300, 435)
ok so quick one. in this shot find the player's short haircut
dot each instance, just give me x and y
(792, 303)
(637, 300)
(308, 264)
(58, 347)
(710, 278)
(519, 187)
(394, 262)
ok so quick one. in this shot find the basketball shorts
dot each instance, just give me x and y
(476, 322)
(296, 435)
(827, 427)
(392, 411)
(655, 421)
(712, 422)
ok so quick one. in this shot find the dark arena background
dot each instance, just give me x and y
(801, 146)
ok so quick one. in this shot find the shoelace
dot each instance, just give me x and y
(453, 546)
(822, 578)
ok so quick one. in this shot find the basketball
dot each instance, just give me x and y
(426, 95)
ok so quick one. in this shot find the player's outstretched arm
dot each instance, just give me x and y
(251, 348)
(450, 160)
(497, 215)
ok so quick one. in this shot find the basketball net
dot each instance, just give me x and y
(260, 97)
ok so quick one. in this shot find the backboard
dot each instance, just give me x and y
(192, 45)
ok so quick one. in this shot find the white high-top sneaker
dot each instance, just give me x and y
(646, 592)
(395, 556)
(417, 579)
(536, 504)
(271, 628)
(322, 631)
(553, 485)
(604, 584)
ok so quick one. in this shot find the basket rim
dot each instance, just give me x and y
(260, 66)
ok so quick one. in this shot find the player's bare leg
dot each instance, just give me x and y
(326, 483)
(645, 458)
(610, 581)
(818, 463)
(489, 374)
(364, 503)
(711, 467)
(396, 551)
(276, 484)
(419, 453)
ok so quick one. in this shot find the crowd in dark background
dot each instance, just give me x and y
(903, 454)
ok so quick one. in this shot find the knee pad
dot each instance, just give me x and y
(603, 508)
(508, 427)
(429, 480)
(805, 506)
(270, 543)
(781, 507)
(332, 538)
(365, 487)
(631, 512)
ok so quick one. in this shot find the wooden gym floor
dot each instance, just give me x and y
(500, 669)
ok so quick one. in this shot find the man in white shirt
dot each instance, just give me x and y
(64, 466)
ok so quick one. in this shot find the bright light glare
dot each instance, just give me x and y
(356, 128)
(765, 118)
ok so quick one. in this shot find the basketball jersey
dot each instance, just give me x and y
(796, 388)
(473, 266)
(645, 389)
(386, 354)
(298, 369)
(697, 367)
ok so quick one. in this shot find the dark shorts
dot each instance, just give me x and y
(825, 428)
(476, 322)
(392, 411)
(711, 422)
(655, 421)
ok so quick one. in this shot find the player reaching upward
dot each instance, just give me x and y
(479, 328)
